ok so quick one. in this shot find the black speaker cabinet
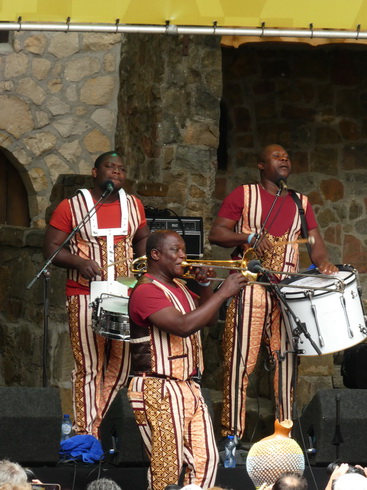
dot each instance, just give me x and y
(191, 229)
(119, 432)
(30, 425)
(334, 426)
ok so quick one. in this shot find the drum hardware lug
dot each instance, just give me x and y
(363, 330)
(352, 293)
(344, 306)
(314, 312)
(309, 293)
(297, 332)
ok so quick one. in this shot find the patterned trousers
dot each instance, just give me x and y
(176, 428)
(253, 316)
(101, 367)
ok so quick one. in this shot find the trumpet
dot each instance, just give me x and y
(139, 265)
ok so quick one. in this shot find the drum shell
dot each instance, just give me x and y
(110, 317)
(340, 326)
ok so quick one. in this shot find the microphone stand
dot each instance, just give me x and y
(301, 328)
(239, 315)
(277, 195)
(44, 271)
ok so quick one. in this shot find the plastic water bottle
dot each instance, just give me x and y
(66, 427)
(230, 449)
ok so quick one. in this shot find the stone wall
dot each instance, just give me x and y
(67, 98)
(59, 112)
(59, 106)
(69, 90)
(312, 101)
(169, 128)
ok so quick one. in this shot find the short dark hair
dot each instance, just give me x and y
(156, 239)
(290, 480)
(102, 157)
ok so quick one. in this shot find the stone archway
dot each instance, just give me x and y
(14, 209)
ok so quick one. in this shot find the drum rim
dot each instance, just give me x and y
(299, 294)
(330, 352)
(111, 299)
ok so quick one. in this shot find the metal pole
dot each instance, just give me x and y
(171, 29)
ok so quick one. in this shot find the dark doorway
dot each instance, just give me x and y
(14, 208)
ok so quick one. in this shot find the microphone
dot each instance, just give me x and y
(255, 266)
(282, 184)
(108, 187)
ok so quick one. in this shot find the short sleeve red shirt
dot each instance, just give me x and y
(233, 204)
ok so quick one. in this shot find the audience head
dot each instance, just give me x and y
(350, 480)
(30, 474)
(290, 480)
(103, 484)
(351, 469)
(12, 473)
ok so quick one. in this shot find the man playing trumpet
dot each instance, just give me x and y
(265, 217)
(166, 357)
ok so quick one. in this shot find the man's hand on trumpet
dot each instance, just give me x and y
(231, 284)
(203, 274)
(263, 245)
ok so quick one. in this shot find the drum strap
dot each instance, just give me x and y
(304, 230)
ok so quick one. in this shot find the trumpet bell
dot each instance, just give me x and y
(139, 265)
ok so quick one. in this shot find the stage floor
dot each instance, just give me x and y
(77, 476)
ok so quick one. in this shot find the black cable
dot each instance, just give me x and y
(164, 213)
(239, 308)
(74, 476)
(304, 447)
(258, 235)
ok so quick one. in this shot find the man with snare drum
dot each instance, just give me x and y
(266, 218)
(100, 252)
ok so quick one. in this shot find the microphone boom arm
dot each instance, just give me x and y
(75, 230)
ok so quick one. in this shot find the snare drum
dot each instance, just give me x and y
(110, 317)
(334, 318)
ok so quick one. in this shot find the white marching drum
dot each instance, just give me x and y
(334, 318)
(110, 317)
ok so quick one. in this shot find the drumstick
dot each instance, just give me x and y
(310, 240)
(113, 263)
